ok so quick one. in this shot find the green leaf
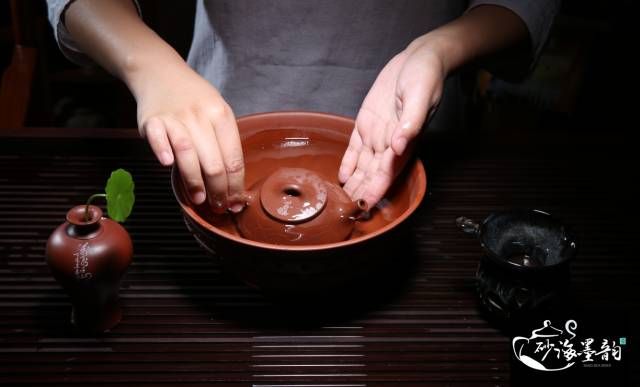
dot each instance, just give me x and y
(120, 197)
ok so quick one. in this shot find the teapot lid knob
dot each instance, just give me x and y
(293, 195)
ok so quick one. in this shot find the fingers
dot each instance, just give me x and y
(371, 169)
(228, 137)
(186, 158)
(365, 158)
(373, 176)
(156, 134)
(379, 178)
(207, 151)
(372, 133)
(350, 158)
(211, 162)
(381, 172)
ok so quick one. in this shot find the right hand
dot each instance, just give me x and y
(186, 120)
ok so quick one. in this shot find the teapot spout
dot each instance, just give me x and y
(359, 210)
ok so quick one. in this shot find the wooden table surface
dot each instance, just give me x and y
(188, 322)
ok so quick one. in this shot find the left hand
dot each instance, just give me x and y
(389, 120)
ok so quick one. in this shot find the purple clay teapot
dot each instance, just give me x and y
(295, 206)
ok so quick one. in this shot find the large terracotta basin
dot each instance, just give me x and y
(315, 141)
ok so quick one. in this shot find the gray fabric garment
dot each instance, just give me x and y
(317, 55)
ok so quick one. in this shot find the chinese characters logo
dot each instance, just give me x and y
(81, 258)
(552, 349)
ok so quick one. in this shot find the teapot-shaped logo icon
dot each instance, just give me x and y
(295, 206)
(541, 351)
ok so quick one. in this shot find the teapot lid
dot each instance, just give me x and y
(293, 195)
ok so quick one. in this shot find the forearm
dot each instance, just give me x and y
(112, 33)
(479, 33)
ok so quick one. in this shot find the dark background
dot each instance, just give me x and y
(583, 86)
(582, 82)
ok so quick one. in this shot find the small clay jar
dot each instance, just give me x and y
(295, 206)
(88, 257)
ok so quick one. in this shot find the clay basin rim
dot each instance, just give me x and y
(287, 119)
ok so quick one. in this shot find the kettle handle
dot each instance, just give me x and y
(468, 226)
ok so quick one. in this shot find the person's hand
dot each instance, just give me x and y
(186, 120)
(407, 89)
(183, 117)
